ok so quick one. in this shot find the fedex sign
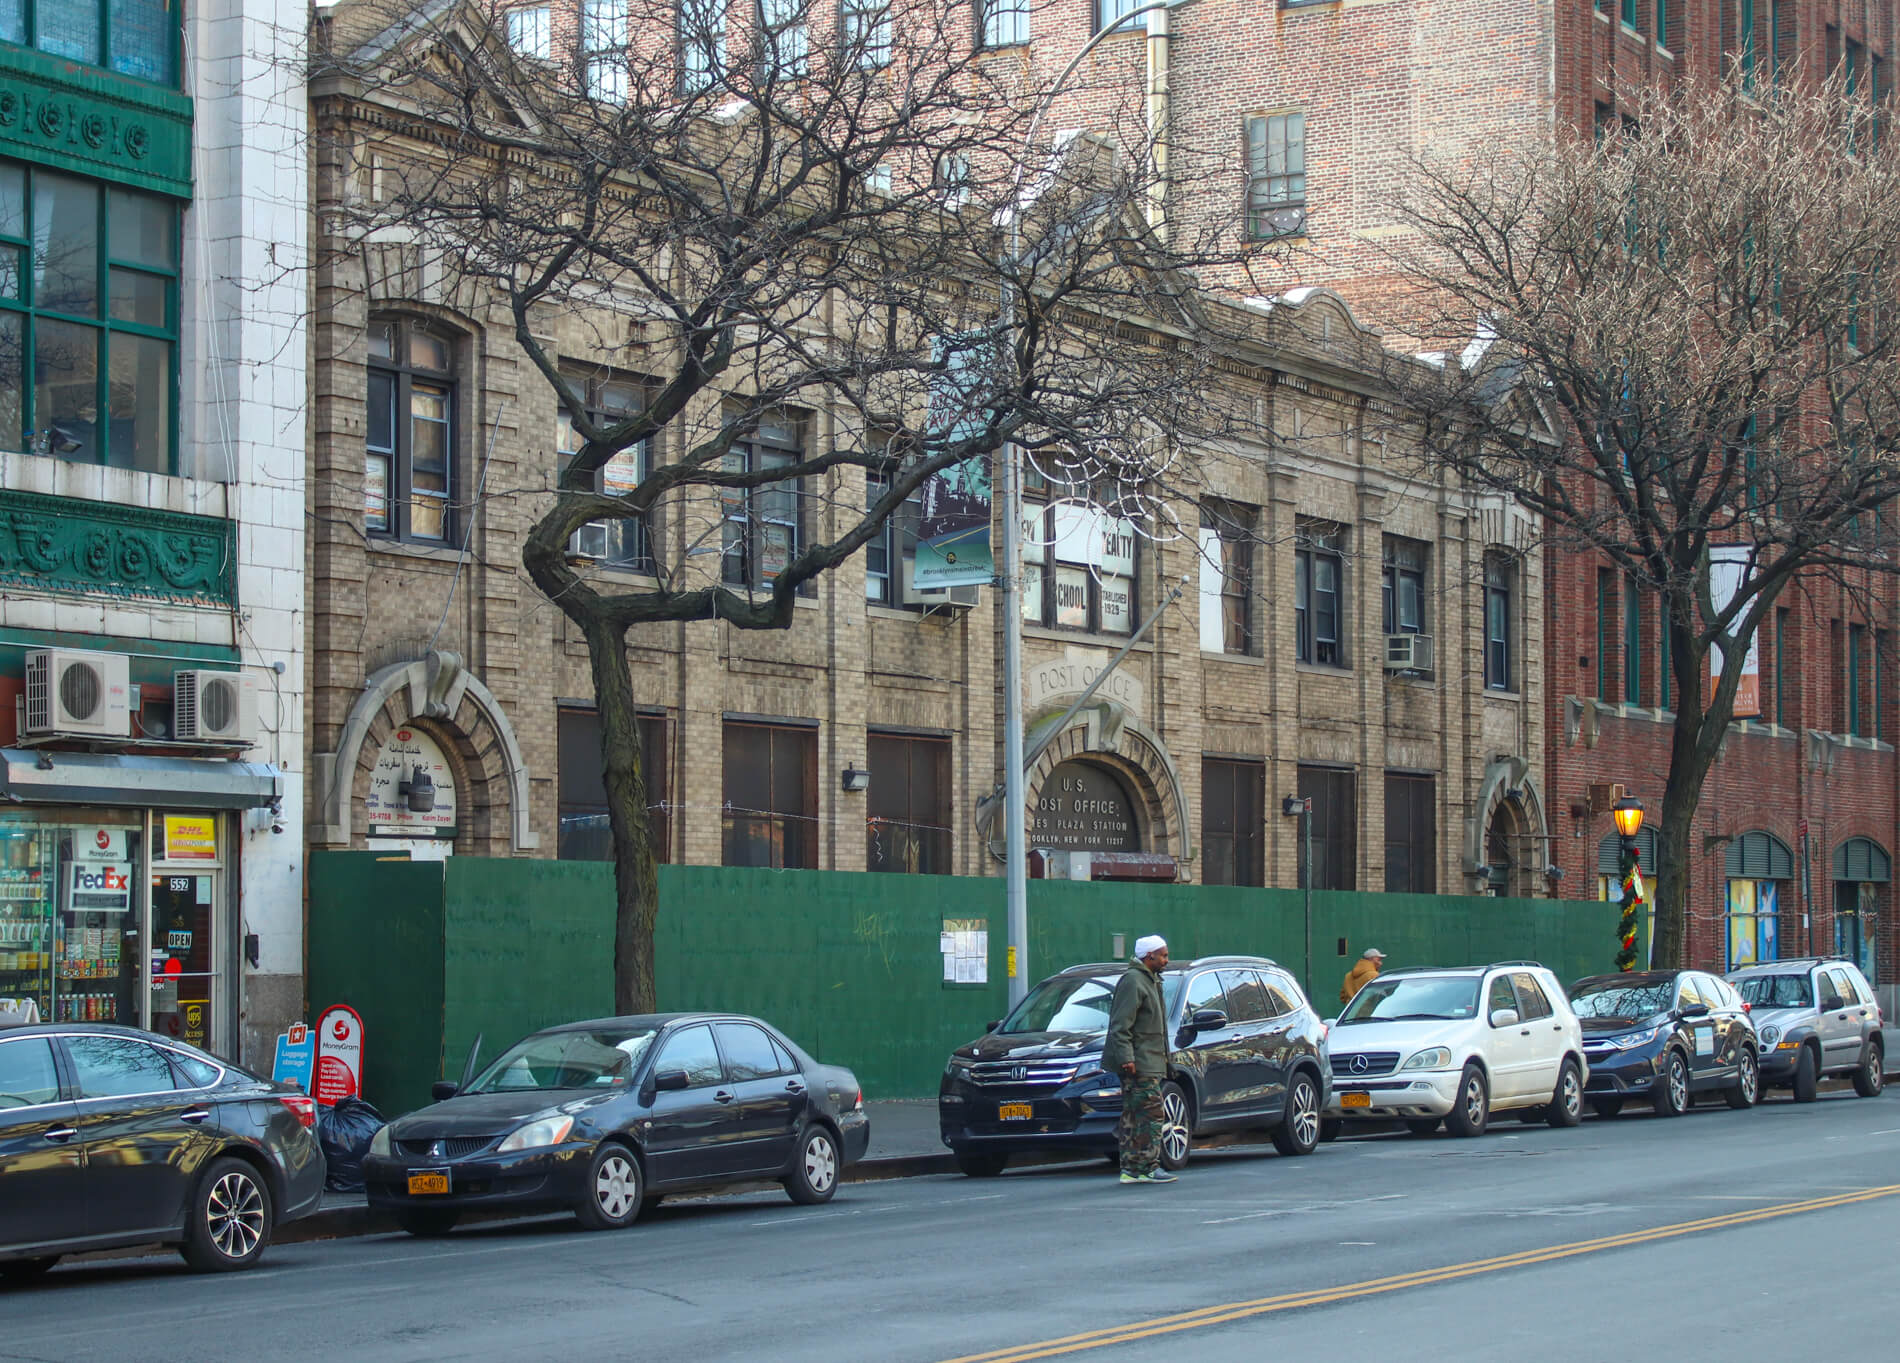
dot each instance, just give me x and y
(101, 874)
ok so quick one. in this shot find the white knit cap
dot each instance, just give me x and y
(1147, 946)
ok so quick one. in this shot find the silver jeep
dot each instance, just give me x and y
(1816, 1017)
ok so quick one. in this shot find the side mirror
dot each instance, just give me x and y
(1831, 1002)
(1504, 1017)
(670, 1081)
(1694, 1010)
(444, 1089)
(1208, 1020)
(992, 1024)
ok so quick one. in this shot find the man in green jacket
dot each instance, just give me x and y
(1137, 1050)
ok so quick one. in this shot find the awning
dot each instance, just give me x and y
(41, 776)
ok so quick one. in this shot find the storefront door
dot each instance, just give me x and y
(184, 972)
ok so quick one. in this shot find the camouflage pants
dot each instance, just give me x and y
(1139, 1131)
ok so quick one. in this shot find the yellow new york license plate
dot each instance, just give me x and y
(1014, 1112)
(429, 1181)
(1355, 1100)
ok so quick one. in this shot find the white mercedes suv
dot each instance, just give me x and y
(1456, 1045)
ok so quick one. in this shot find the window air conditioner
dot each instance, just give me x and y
(964, 597)
(1408, 653)
(590, 541)
(77, 691)
(219, 706)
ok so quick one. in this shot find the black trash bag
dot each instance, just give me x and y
(344, 1132)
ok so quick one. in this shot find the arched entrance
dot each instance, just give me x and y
(1505, 836)
(1862, 872)
(1759, 866)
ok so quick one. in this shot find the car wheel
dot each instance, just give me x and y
(1606, 1107)
(1871, 1077)
(814, 1176)
(1805, 1078)
(614, 1189)
(229, 1224)
(988, 1163)
(1176, 1129)
(427, 1222)
(1746, 1090)
(1670, 1094)
(1566, 1104)
(1471, 1112)
(1298, 1131)
(1330, 1128)
(20, 1272)
(1422, 1126)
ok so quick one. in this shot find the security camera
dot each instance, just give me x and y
(276, 825)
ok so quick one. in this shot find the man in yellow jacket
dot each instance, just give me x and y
(1363, 972)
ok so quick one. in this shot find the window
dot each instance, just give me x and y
(1856, 646)
(1276, 176)
(702, 44)
(1878, 666)
(950, 179)
(1781, 34)
(890, 556)
(1499, 578)
(770, 814)
(1663, 647)
(610, 397)
(750, 1053)
(604, 49)
(1205, 990)
(528, 32)
(1534, 1003)
(1005, 23)
(1079, 568)
(691, 1049)
(1233, 828)
(1108, 11)
(1246, 996)
(88, 320)
(1402, 579)
(787, 36)
(1745, 42)
(27, 1076)
(1784, 715)
(866, 29)
(1411, 834)
(908, 805)
(1632, 644)
(407, 480)
(1317, 571)
(1629, 12)
(1227, 579)
(764, 527)
(1501, 995)
(1689, 992)
(115, 1067)
(1606, 636)
(585, 834)
(133, 37)
(1335, 838)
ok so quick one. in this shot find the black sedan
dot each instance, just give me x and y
(1665, 1036)
(602, 1118)
(111, 1136)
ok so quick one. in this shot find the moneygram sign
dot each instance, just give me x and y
(101, 873)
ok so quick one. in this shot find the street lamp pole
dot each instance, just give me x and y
(1628, 814)
(1015, 834)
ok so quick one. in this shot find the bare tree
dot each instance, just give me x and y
(848, 218)
(1677, 344)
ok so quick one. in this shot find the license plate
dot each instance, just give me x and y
(1015, 1112)
(429, 1181)
(1355, 1100)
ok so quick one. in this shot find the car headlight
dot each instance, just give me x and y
(1433, 1058)
(379, 1143)
(1631, 1040)
(546, 1131)
(1770, 1034)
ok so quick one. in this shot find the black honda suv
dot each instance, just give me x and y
(1249, 1052)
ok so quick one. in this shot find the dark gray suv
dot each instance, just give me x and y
(1816, 1017)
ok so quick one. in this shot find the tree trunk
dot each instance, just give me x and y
(1690, 759)
(636, 874)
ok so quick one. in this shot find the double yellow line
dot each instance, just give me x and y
(1261, 1306)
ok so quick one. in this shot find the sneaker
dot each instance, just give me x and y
(1135, 1178)
(1159, 1175)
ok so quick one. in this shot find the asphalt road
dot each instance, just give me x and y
(1717, 1235)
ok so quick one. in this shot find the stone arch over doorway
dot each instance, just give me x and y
(1106, 736)
(1505, 837)
(438, 695)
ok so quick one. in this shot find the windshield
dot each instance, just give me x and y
(566, 1060)
(1776, 991)
(1439, 998)
(1076, 1003)
(1618, 999)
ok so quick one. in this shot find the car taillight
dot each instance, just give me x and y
(858, 1104)
(1747, 1007)
(302, 1108)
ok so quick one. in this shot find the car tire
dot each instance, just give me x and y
(427, 1223)
(1177, 1127)
(1471, 1110)
(1871, 1077)
(1806, 1080)
(20, 1272)
(989, 1163)
(1606, 1107)
(228, 1224)
(1566, 1104)
(815, 1168)
(1422, 1126)
(1330, 1128)
(614, 1189)
(1745, 1092)
(1669, 1095)
(1298, 1131)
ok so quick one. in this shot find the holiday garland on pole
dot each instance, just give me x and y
(1633, 897)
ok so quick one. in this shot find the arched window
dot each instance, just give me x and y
(1862, 870)
(408, 474)
(1758, 864)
